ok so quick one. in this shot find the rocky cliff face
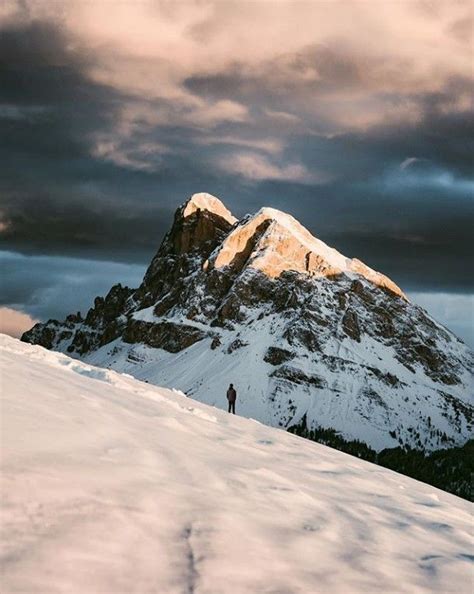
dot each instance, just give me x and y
(303, 332)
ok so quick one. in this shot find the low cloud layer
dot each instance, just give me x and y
(356, 117)
(52, 287)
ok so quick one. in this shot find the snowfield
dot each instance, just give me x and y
(113, 485)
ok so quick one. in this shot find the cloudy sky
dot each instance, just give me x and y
(354, 116)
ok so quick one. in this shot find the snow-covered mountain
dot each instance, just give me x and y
(113, 485)
(306, 334)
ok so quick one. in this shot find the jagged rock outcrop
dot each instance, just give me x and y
(300, 329)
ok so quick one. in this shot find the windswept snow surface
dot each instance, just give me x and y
(113, 485)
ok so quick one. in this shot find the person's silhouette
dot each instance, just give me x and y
(231, 397)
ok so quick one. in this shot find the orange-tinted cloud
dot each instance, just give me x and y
(14, 322)
(351, 64)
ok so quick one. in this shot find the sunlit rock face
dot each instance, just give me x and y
(273, 242)
(302, 330)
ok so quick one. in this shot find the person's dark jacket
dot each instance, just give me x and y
(231, 395)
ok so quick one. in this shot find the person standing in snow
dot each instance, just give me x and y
(231, 397)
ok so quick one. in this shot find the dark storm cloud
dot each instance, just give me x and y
(313, 69)
(49, 108)
(46, 224)
(55, 196)
(319, 84)
(368, 153)
(52, 287)
(39, 67)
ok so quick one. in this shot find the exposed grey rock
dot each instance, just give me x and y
(277, 356)
(297, 376)
(164, 335)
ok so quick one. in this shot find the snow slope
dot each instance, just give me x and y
(204, 374)
(112, 485)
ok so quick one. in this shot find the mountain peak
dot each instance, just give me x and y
(312, 338)
(207, 202)
(200, 224)
(273, 242)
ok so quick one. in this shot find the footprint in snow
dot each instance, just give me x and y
(310, 528)
(465, 557)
